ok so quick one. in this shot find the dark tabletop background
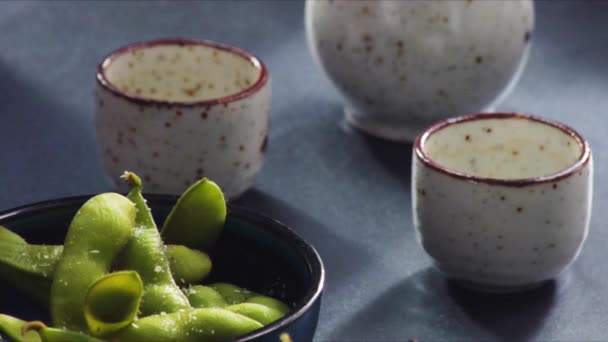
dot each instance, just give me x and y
(347, 194)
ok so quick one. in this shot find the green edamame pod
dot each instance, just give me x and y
(40, 259)
(193, 325)
(112, 302)
(9, 236)
(258, 312)
(145, 253)
(232, 293)
(47, 334)
(30, 268)
(24, 272)
(12, 327)
(205, 297)
(188, 266)
(198, 217)
(270, 302)
(98, 231)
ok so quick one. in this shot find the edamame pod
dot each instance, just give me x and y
(98, 231)
(198, 217)
(8, 235)
(145, 253)
(47, 334)
(112, 302)
(232, 293)
(270, 302)
(258, 312)
(12, 327)
(30, 268)
(188, 266)
(193, 325)
(205, 297)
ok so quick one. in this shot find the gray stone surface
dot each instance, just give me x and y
(348, 194)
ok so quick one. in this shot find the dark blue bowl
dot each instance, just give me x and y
(254, 252)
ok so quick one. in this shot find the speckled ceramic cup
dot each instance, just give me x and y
(176, 110)
(501, 202)
(402, 65)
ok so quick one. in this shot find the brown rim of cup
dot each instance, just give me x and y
(252, 89)
(582, 160)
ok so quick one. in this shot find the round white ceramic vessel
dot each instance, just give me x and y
(177, 110)
(401, 65)
(501, 201)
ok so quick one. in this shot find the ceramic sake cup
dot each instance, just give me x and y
(501, 202)
(176, 110)
(402, 65)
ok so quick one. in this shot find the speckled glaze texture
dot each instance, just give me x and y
(501, 234)
(401, 65)
(172, 142)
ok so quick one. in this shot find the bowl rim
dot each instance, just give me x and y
(306, 251)
(103, 81)
(580, 163)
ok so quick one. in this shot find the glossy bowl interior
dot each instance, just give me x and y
(254, 252)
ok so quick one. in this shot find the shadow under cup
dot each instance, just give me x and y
(177, 110)
(502, 201)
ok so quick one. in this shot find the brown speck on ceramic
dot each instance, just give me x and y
(178, 113)
(554, 186)
(130, 65)
(366, 37)
(467, 137)
(264, 144)
(541, 147)
(478, 60)
(488, 130)
(339, 46)
(364, 10)
(167, 124)
(515, 152)
(152, 91)
(155, 154)
(132, 129)
(520, 209)
(223, 139)
(379, 60)
(204, 115)
(200, 171)
(247, 165)
(241, 148)
(369, 48)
